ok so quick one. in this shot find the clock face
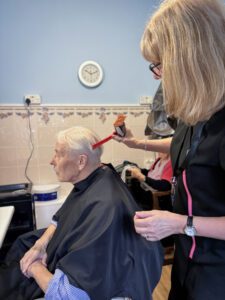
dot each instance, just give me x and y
(90, 73)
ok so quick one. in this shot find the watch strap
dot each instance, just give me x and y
(190, 221)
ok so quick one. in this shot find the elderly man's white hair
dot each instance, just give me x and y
(81, 139)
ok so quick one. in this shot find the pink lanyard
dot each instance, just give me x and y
(189, 199)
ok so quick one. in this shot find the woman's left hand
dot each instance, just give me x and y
(155, 225)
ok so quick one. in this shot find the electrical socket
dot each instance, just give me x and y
(145, 100)
(32, 99)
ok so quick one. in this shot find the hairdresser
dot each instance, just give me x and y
(185, 43)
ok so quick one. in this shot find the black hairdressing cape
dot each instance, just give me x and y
(95, 245)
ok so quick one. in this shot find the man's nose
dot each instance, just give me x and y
(52, 162)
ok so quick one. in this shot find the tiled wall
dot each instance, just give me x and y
(15, 144)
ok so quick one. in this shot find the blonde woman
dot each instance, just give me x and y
(185, 43)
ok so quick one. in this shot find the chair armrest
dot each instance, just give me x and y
(156, 195)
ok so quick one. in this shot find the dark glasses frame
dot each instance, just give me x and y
(152, 66)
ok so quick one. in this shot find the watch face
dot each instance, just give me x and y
(90, 74)
(190, 230)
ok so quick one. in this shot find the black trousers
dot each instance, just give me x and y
(201, 282)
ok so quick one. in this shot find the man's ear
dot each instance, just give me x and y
(83, 160)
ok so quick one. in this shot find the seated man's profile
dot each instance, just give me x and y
(90, 250)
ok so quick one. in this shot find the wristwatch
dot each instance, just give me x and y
(189, 229)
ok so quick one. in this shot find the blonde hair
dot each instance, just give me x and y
(80, 140)
(188, 38)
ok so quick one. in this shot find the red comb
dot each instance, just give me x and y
(121, 131)
(98, 144)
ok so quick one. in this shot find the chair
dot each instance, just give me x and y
(155, 197)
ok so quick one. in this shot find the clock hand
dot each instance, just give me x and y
(94, 72)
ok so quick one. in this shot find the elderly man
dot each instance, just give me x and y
(90, 251)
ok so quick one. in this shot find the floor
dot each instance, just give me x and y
(162, 290)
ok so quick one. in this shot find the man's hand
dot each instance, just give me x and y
(33, 267)
(40, 273)
(37, 252)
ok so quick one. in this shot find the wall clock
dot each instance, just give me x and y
(90, 73)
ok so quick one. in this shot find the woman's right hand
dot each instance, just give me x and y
(155, 225)
(128, 140)
(37, 252)
(136, 173)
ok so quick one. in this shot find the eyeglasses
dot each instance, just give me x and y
(154, 66)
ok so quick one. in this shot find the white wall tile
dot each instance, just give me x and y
(15, 144)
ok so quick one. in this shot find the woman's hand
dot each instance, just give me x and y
(136, 173)
(37, 252)
(155, 225)
(128, 140)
